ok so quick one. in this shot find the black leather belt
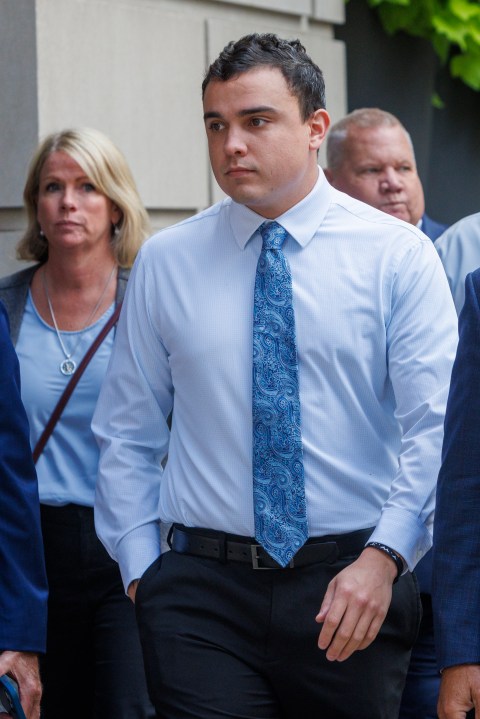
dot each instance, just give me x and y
(230, 547)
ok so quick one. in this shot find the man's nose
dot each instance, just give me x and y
(390, 180)
(235, 143)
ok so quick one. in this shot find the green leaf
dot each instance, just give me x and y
(437, 101)
(374, 3)
(452, 27)
(467, 67)
(441, 45)
(464, 9)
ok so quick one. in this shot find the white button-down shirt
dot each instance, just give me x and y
(376, 338)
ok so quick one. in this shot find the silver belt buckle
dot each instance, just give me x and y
(254, 548)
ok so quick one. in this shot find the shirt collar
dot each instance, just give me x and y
(301, 221)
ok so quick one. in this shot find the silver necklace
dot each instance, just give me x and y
(68, 365)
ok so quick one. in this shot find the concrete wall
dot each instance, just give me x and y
(133, 69)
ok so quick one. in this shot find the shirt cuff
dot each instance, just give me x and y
(403, 532)
(137, 551)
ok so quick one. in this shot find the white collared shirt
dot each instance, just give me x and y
(376, 338)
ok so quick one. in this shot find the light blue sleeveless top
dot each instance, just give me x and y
(67, 467)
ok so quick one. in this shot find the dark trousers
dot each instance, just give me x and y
(420, 695)
(225, 640)
(93, 667)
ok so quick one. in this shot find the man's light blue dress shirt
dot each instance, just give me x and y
(459, 250)
(376, 338)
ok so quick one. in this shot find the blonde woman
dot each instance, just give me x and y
(86, 223)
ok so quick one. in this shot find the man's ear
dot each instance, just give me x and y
(319, 122)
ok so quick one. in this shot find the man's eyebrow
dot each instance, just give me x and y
(243, 113)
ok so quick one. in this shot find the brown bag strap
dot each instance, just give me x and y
(67, 392)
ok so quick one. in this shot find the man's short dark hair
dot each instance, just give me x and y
(303, 76)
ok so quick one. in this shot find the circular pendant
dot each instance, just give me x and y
(68, 367)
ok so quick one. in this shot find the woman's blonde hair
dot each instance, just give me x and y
(107, 168)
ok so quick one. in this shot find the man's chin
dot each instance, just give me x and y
(242, 195)
(398, 212)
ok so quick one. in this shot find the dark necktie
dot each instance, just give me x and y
(278, 479)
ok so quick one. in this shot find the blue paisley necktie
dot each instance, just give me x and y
(278, 481)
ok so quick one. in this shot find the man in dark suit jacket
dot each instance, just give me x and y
(456, 561)
(23, 593)
(432, 228)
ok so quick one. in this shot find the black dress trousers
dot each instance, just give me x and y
(226, 640)
(93, 668)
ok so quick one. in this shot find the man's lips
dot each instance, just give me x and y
(399, 206)
(238, 171)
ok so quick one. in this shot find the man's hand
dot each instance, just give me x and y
(355, 604)
(459, 691)
(23, 667)
(132, 589)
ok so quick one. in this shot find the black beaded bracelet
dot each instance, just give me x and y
(392, 554)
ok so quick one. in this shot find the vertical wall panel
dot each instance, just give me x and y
(133, 69)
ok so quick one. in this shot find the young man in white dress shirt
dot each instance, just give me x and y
(227, 631)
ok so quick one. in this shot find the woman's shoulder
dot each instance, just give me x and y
(13, 294)
(17, 279)
(122, 278)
